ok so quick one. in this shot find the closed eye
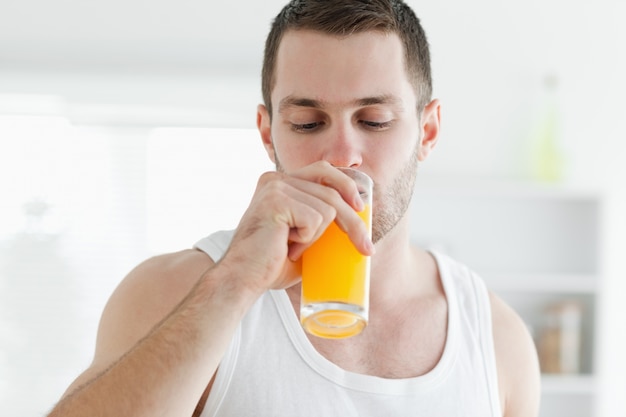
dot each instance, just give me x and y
(306, 127)
(375, 125)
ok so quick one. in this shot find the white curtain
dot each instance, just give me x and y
(80, 207)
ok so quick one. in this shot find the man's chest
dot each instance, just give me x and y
(393, 345)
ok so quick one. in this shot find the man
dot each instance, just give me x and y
(213, 331)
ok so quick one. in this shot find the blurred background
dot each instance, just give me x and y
(121, 120)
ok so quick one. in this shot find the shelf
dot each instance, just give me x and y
(542, 283)
(494, 233)
(480, 187)
(568, 384)
(536, 245)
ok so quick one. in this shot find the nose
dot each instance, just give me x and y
(343, 148)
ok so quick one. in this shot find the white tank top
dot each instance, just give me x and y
(271, 369)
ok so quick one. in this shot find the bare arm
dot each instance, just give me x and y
(518, 366)
(149, 365)
(167, 326)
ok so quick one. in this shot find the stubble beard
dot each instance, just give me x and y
(391, 204)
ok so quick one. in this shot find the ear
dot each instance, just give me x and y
(430, 124)
(264, 125)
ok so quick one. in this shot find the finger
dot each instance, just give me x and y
(358, 229)
(327, 206)
(304, 201)
(357, 232)
(310, 218)
(308, 222)
(346, 217)
(325, 174)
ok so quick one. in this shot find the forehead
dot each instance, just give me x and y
(333, 69)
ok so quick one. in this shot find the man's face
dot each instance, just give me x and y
(347, 101)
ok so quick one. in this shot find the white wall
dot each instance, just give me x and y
(127, 67)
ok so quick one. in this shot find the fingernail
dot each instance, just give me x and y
(370, 246)
(359, 204)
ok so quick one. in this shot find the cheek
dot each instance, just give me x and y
(293, 154)
(389, 154)
(394, 162)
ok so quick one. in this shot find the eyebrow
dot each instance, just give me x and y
(292, 101)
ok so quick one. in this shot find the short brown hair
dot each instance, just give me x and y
(346, 17)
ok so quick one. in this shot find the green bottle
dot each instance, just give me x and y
(547, 155)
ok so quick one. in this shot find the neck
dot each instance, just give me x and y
(399, 269)
(393, 252)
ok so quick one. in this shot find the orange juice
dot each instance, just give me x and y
(335, 284)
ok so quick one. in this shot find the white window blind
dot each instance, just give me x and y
(83, 205)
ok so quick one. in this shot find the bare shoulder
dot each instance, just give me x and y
(143, 299)
(146, 296)
(516, 358)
